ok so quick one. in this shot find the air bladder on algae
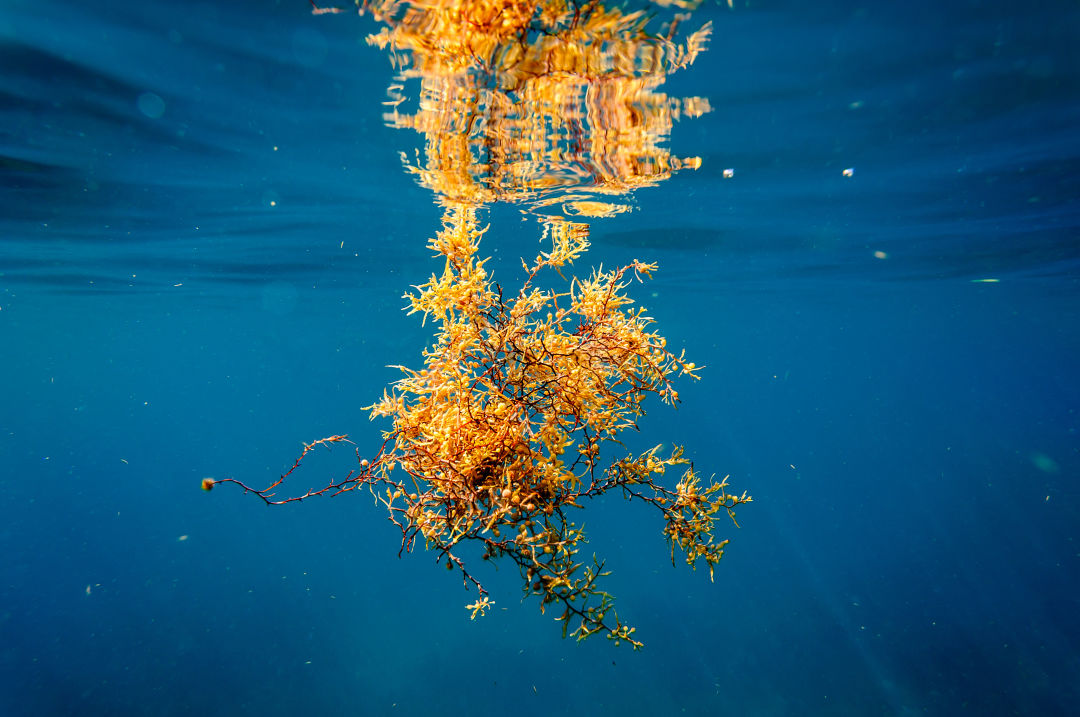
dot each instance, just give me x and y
(504, 432)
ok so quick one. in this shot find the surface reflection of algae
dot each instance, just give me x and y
(528, 102)
(499, 437)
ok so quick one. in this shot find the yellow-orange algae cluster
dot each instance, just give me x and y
(500, 434)
(505, 430)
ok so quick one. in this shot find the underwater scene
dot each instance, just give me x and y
(539, 357)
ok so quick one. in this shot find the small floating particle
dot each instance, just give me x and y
(849, 172)
(150, 105)
(1045, 463)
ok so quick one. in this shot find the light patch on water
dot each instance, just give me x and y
(151, 105)
(1044, 463)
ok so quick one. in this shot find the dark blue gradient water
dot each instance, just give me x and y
(205, 232)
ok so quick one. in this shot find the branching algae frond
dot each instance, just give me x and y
(504, 433)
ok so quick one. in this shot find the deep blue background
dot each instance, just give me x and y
(205, 233)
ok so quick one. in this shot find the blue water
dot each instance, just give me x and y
(205, 232)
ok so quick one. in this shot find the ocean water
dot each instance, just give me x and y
(205, 235)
